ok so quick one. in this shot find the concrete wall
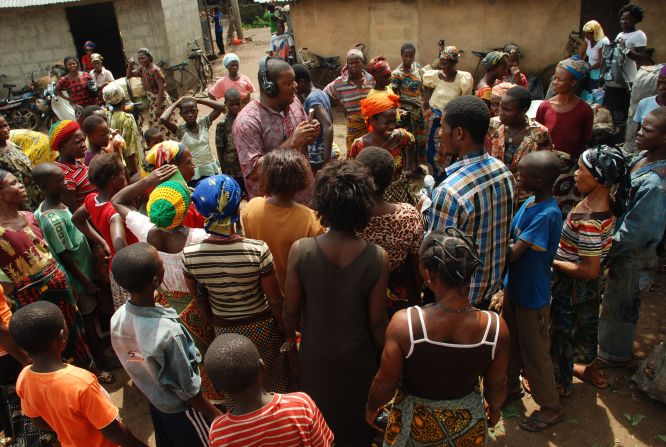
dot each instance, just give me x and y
(653, 26)
(141, 24)
(540, 27)
(31, 37)
(181, 20)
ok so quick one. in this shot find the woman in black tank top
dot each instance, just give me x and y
(449, 340)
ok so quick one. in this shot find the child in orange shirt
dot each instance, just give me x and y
(58, 396)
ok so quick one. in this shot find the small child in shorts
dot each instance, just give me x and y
(58, 396)
(70, 248)
(234, 365)
(224, 141)
(158, 353)
(193, 133)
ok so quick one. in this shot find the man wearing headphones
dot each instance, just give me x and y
(276, 120)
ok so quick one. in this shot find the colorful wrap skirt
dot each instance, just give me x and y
(154, 114)
(202, 331)
(51, 285)
(356, 128)
(416, 422)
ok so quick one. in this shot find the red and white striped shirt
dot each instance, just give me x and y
(290, 420)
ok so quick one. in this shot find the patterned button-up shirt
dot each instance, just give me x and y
(477, 198)
(259, 130)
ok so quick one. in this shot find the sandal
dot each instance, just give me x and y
(534, 423)
(105, 377)
(582, 373)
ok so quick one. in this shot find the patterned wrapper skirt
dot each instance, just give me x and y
(355, 129)
(413, 120)
(415, 422)
(154, 116)
(267, 336)
(202, 332)
(51, 285)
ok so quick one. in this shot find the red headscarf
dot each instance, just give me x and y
(379, 67)
(377, 104)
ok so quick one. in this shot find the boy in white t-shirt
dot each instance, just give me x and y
(633, 42)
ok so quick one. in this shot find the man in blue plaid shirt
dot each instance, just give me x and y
(477, 195)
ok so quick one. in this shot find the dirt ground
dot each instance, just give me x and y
(594, 418)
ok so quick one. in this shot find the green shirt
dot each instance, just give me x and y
(61, 235)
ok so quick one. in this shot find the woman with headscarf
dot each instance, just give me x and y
(380, 70)
(232, 279)
(125, 124)
(102, 75)
(569, 121)
(591, 48)
(512, 135)
(451, 339)
(496, 65)
(80, 86)
(86, 60)
(578, 268)
(164, 228)
(28, 270)
(153, 81)
(379, 113)
(441, 86)
(349, 89)
(12, 159)
(233, 79)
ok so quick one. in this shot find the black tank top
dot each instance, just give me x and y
(441, 371)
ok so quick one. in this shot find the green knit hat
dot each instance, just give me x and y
(168, 204)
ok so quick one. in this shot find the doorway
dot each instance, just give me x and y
(98, 23)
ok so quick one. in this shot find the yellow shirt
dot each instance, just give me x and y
(33, 144)
(279, 227)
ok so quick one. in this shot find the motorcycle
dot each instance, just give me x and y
(47, 116)
(20, 109)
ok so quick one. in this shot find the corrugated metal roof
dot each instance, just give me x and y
(27, 3)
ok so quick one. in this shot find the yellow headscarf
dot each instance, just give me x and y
(594, 27)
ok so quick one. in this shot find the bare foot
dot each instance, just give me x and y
(590, 374)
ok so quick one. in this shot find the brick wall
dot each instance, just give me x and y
(141, 24)
(181, 20)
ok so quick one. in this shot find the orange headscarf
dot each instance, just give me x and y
(377, 104)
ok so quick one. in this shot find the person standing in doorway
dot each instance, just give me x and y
(86, 59)
(219, 29)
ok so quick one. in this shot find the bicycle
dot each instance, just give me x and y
(202, 66)
(323, 70)
(180, 81)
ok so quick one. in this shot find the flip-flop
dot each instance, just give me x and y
(535, 424)
(599, 382)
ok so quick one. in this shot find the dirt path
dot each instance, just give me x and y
(594, 418)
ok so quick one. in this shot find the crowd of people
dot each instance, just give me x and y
(450, 259)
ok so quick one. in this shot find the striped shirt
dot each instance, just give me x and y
(477, 197)
(586, 234)
(76, 180)
(231, 272)
(348, 94)
(289, 420)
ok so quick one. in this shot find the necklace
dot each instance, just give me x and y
(512, 135)
(456, 310)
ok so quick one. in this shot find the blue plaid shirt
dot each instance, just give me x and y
(477, 197)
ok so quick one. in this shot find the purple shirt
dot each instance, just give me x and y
(259, 130)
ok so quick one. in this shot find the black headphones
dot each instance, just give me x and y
(268, 86)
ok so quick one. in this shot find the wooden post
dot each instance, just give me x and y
(235, 11)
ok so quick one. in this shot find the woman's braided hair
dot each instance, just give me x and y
(450, 255)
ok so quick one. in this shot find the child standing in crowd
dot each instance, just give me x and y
(289, 419)
(224, 141)
(278, 219)
(153, 136)
(380, 70)
(67, 138)
(513, 74)
(535, 232)
(58, 396)
(633, 259)
(108, 175)
(70, 248)
(579, 265)
(125, 124)
(158, 354)
(319, 152)
(407, 83)
(194, 132)
(97, 131)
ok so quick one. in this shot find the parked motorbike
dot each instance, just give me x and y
(20, 109)
(47, 116)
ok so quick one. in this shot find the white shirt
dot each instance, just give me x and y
(592, 52)
(104, 77)
(633, 40)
